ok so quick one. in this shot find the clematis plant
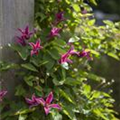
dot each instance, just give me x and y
(35, 47)
(42, 73)
(2, 94)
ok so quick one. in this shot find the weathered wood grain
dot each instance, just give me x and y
(13, 14)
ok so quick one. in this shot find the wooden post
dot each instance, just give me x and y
(13, 14)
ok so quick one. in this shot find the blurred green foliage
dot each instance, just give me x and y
(43, 73)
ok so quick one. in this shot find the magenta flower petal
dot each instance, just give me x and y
(40, 101)
(60, 16)
(64, 57)
(47, 110)
(2, 94)
(27, 29)
(25, 33)
(49, 98)
(33, 101)
(54, 32)
(21, 41)
(69, 61)
(35, 47)
(55, 106)
(85, 54)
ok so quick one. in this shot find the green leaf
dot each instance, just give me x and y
(22, 51)
(93, 52)
(20, 91)
(49, 65)
(113, 55)
(76, 7)
(59, 42)
(56, 116)
(70, 81)
(66, 96)
(68, 110)
(29, 67)
(25, 111)
(94, 2)
(29, 80)
(86, 90)
(22, 117)
(91, 22)
(54, 54)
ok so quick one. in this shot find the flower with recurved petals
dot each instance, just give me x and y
(47, 103)
(21, 41)
(2, 94)
(25, 33)
(35, 47)
(85, 54)
(65, 57)
(33, 101)
(54, 32)
(59, 17)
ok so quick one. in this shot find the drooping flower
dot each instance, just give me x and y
(85, 54)
(54, 32)
(59, 17)
(35, 47)
(25, 33)
(47, 103)
(2, 94)
(33, 101)
(65, 57)
(21, 41)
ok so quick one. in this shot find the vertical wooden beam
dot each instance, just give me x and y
(13, 14)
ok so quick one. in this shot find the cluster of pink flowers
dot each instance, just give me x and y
(71, 51)
(47, 103)
(2, 94)
(25, 35)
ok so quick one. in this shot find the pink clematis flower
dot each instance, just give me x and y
(54, 32)
(47, 103)
(64, 57)
(35, 47)
(25, 33)
(59, 17)
(85, 54)
(21, 41)
(2, 94)
(33, 101)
